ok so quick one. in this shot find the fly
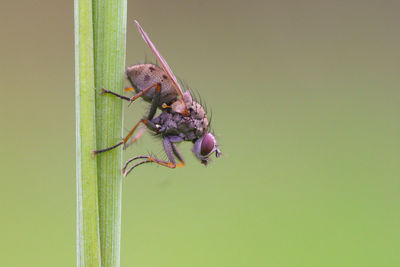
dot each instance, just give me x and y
(181, 118)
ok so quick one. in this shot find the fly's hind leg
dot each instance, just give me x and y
(105, 91)
(136, 96)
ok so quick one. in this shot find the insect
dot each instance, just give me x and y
(181, 118)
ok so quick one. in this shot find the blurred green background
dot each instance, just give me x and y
(305, 99)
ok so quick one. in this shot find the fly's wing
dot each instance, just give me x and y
(163, 63)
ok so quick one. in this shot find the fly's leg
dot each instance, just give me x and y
(158, 88)
(133, 98)
(154, 104)
(178, 154)
(105, 91)
(126, 172)
(170, 150)
(147, 122)
(136, 138)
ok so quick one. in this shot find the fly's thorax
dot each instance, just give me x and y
(141, 76)
(197, 111)
(188, 128)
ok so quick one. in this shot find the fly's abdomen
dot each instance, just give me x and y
(142, 76)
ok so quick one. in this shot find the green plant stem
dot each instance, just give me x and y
(109, 24)
(88, 239)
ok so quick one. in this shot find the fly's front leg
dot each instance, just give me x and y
(125, 172)
(170, 150)
(178, 154)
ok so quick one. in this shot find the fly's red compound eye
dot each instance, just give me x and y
(207, 144)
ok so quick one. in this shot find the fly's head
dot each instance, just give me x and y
(204, 147)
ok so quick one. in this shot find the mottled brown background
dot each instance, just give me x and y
(305, 99)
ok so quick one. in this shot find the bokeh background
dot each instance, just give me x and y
(305, 100)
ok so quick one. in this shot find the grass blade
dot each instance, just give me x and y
(109, 24)
(88, 239)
